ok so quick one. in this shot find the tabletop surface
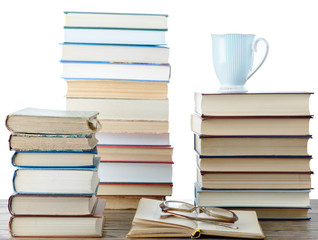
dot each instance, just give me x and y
(118, 223)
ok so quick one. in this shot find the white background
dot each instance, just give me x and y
(30, 52)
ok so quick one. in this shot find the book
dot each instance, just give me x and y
(54, 205)
(116, 71)
(49, 142)
(156, 139)
(250, 125)
(58, 226)
(161, 154)
(56, 180)
(135, 172)
(148, 222)
(54, 159)
(115, 53)
(254, 180)
(116, 20)
(134, 126)
(134, 189)
(251, 146)
(277, 213)
(251, 198)
(123, 109)
(82, 88)
(253, 104)
(124, 202)
(134, 36)
(47, 121)
(254, 164)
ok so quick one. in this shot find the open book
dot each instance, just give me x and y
(148, 222)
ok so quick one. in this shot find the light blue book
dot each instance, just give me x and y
(120, 53)
(101, 70)
(57, 180)
(116, 20)
(134, 36)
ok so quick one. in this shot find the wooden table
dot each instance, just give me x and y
(118, 222)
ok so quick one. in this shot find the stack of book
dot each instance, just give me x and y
(56, 179)
(117, 64)
(252, 152)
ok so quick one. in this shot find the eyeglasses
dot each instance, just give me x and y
(217, 216)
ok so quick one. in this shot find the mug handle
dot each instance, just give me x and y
(254, 49)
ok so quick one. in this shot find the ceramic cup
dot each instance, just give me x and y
(233, 57)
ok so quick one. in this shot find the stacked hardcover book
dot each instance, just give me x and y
(252, 152)
(117, 64)
(56, 179)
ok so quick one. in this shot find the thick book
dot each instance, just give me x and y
(123, 109)
(251, 145)
(252, 198)
(54, 158)
(254, 180)
(253, 104)
(124, 202)
(135, 172)
(49, 142)
(115, 53)
(56, 180)
(116, 20)
(148, 222)
(250, 125)
(58, 226)
(135, 36)
(134, 126)
(135, 189)
(160, 154)
(254, 164)
(116, 71)
(46, 121)
(89, 88)
(277, 213)
(53, 205)
(157, 139)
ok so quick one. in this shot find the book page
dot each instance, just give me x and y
(248, 226)
(149, 212)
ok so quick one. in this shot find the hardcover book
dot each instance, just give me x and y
(58, 226)
(253, 104)
(45, 121)
(135, 36)
(123, 109)
(54, 158)
(115, 53)
(116, 71)
(250, 125)
(49, 142)
(251, 146)
(89, 88)
(158, 139)
(56, 180)
(135, 189)
(116, 20)
(135, 153)
(135, 172)
(53, 205)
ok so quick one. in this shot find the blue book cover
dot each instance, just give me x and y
(61, 177)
